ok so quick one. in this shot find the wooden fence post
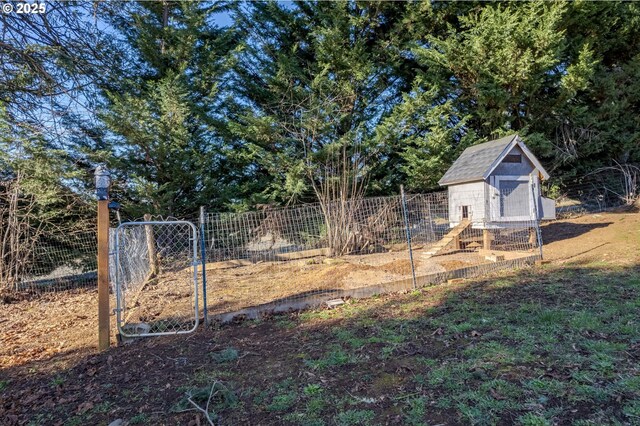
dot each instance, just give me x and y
(151, 248)
(486, 239)
(103, 182)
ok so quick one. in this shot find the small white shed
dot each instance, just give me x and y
(497, 185)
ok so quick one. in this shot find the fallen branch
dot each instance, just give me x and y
(205, 410)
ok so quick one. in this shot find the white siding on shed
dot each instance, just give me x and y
(523, 169)
(471, 194)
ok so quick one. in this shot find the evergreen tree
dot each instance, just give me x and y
(317, 78)
(552, 72)
(485, 76)
(601, 124)
(294, 96)
(166, 111)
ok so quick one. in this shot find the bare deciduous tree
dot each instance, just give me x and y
(18, 236)
(630, 176)
(334, 163)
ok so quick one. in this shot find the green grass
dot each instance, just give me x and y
(218, 395)
(563, 340)
(57, 381)
(354, 417)
(336, 356)
(415, 411)
(534, 347)
(285, 396)
(530, 419)
(312, 390)
(225, 355)
(139, 419)
(283, 402)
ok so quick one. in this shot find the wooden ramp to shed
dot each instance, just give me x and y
(448, 239)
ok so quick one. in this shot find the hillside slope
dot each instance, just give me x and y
(608, 237)
(552, 344)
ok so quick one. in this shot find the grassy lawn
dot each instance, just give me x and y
(547, 345)
(558, 345)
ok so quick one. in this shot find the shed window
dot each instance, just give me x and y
(465, 212)
(512, 158)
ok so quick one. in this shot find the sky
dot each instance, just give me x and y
(224, 19)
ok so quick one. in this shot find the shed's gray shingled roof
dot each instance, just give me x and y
(475, 161)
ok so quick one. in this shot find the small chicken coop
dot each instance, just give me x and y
(497, 184)
(494, 186)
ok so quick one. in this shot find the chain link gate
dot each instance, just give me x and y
(156, 278)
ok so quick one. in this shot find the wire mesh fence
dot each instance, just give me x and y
(276, 259)
(66, 262)
(261, 236)
(132, 267)
(595, 192)
(273, 258)
(289, 258)
(273, 234)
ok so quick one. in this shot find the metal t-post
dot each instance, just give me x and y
(406, 224)
(203, 255)
(534, 195)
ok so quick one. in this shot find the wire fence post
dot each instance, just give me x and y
(536, 194)
(203, 256)
(406, 224)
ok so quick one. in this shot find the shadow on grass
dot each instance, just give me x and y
(536, 346)
(563, 230)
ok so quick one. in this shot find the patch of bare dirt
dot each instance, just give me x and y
(400, 267)
(451, 265)
(609, 237)
(40, 328)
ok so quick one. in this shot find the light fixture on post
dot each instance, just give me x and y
(103, 182)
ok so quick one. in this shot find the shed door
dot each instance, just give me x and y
(514, 198)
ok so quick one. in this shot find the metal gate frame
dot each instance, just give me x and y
(195, 262)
